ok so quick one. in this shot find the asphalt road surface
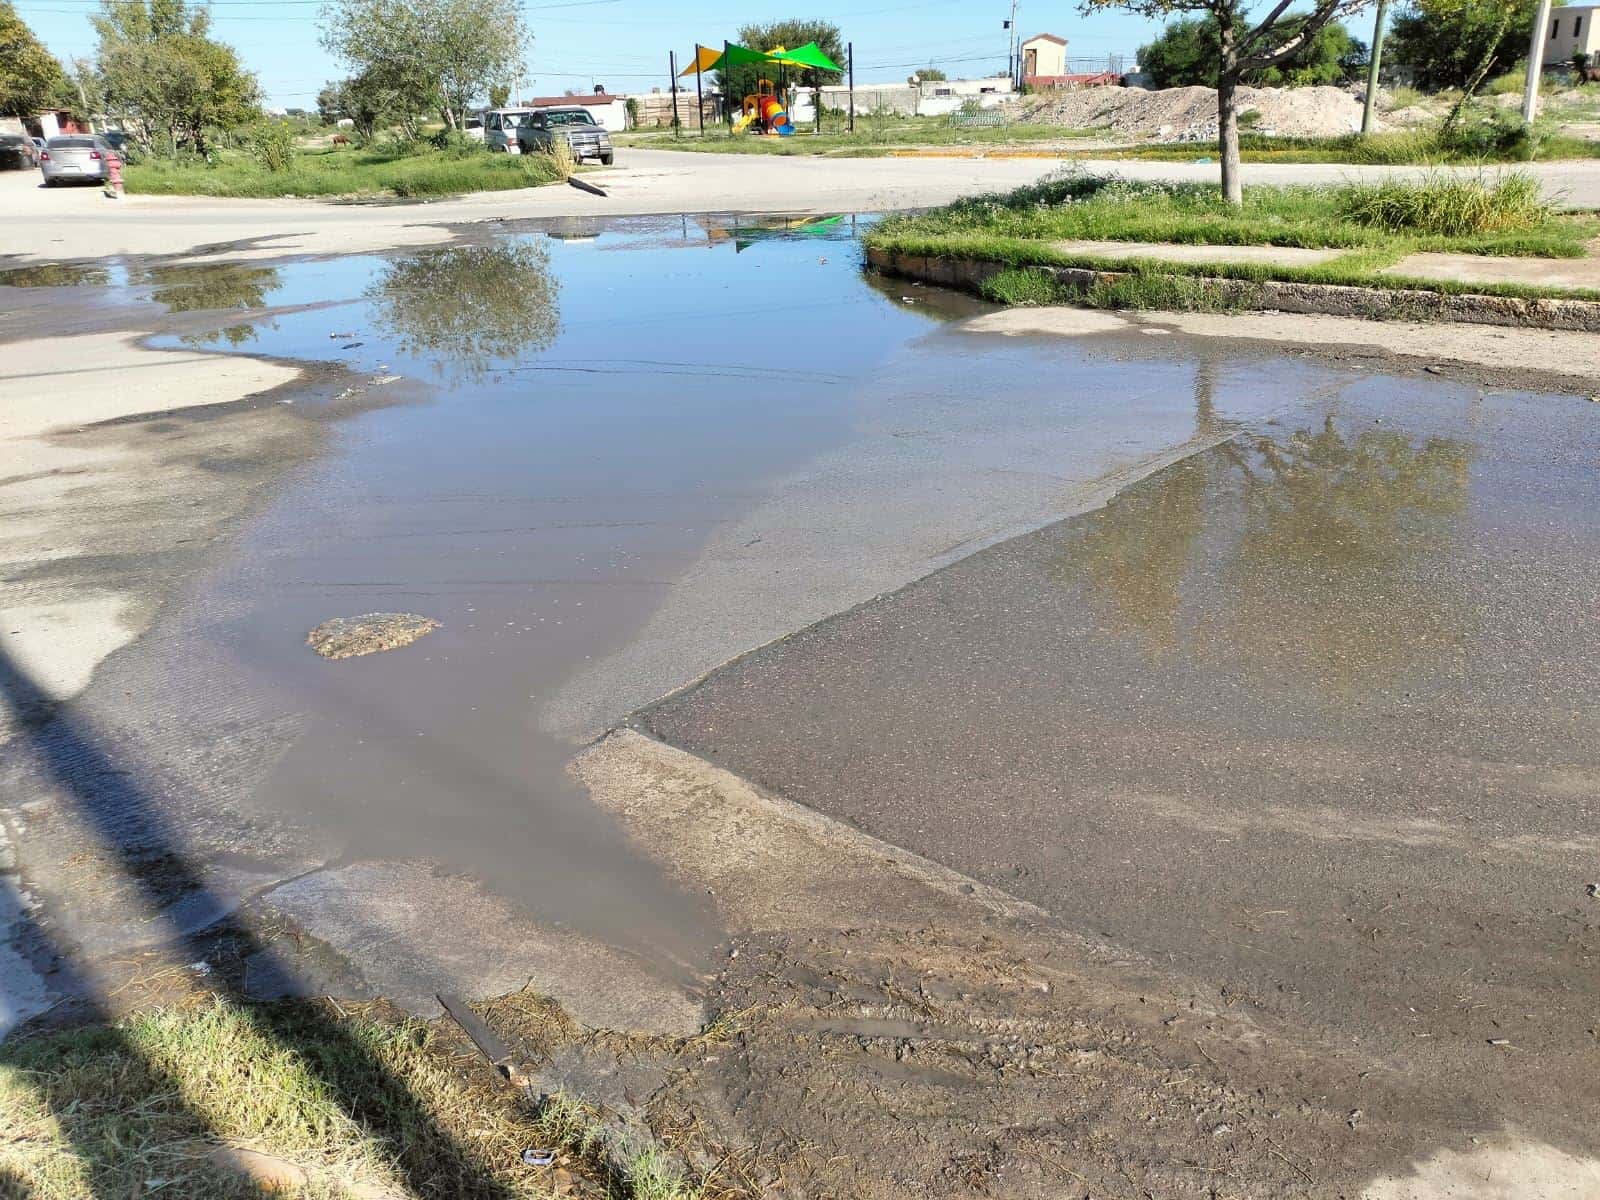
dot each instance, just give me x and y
(1309, 715)
(82, 223)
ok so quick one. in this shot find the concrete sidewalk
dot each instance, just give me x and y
(1576, 273)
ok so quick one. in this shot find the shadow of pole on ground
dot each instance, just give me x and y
(57, 750)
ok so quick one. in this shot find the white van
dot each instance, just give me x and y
(500, 127)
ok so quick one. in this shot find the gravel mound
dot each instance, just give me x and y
(1189, 114)
(346, 637)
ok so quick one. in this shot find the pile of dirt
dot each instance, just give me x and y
(1189, 114)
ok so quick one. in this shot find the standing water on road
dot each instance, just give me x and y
(606, 458)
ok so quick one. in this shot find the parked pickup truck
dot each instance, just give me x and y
(571, 122)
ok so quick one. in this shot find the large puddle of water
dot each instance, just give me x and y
(613, 456)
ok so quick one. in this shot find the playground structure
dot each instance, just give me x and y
(763, 105)
(764, 111)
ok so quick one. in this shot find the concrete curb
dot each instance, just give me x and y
(1336, 300)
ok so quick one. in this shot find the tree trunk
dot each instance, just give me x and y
(1228, 140)
(1227, 111)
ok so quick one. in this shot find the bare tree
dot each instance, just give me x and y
(1246, 44)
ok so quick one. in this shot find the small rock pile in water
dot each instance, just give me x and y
(347, 637)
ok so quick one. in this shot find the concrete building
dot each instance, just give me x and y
(1044, 54)
(1571, 30)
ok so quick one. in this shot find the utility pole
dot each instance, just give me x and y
(1530, 93)
(1013, 67)
(1372, 68)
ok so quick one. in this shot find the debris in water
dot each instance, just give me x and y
(346, 637)
(352, 345)
(334, 337)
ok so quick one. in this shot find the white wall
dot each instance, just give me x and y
(1566, 43)
(612, 116)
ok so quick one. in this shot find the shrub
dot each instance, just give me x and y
(272, 144)
(1448, 205)
(454, 139)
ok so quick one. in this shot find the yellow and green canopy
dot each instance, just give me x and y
(709, 58)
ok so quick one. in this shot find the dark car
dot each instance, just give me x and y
(571, 122)
(17, 152)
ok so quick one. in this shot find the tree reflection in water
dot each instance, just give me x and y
(197, 287)
(1321, 554)
(469, 307)
(1339, 572)
(1136, 552)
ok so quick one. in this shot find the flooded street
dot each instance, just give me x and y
(1271, 672)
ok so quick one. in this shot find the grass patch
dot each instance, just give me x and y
(1024, 229)
(1023, 287)
(1030, 287)
(1075, 205)
(1168, 293)
(371, 171)
(131, 1109)
(1449, 205)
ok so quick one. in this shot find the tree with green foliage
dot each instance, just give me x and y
(500, 95)
(1186, 54)
(1248, 42)
(1445, 43)
(928, 74)
(31, 78)
(741, 80)
(161, 68)
(420, 55)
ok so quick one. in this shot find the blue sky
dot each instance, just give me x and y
(623, 43)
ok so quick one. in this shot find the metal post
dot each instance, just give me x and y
(672, 89)
(1372, 68)
(1530, 93)
(699, 96)
(727, 87)
(850, 61)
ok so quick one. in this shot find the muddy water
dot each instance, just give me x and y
(606, 458)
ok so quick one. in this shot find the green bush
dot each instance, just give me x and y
(272, 145)
(1449, 205)
(454, 139)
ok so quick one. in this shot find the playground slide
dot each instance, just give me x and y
(775, 117)
(743, 122)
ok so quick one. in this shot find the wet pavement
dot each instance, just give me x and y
(1307, 716)
(606, 457)
(1303, 667)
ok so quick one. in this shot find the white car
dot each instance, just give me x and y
(500, 127)
(473, 127)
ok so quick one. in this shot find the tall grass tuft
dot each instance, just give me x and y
(1447, 205)
(558, 157)
(1023, 287)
